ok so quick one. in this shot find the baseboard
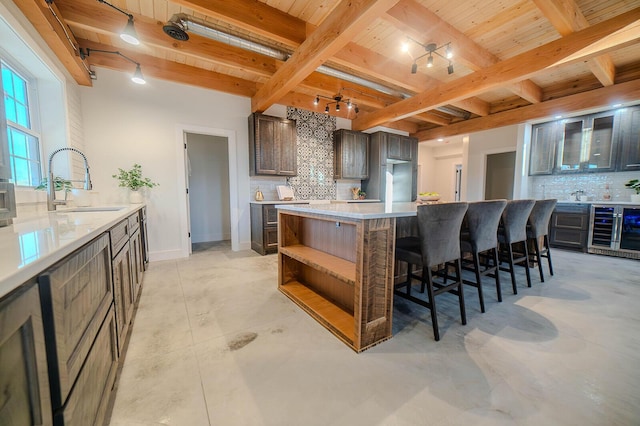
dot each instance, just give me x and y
(155, 256)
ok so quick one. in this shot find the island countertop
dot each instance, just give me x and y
(355, 210)
(31, 246)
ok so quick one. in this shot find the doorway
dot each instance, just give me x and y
(208, 189)
(499, 176)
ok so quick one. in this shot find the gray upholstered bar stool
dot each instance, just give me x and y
(511, 232)
(437, 247)
(478, 237)
(537, 227)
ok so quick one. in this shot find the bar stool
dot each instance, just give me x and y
(512, 231)
(479, 238)
(538, 226)
(437, 247)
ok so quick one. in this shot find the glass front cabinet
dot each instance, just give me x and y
(584, 144)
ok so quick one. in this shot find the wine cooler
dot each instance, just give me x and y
(615, 230)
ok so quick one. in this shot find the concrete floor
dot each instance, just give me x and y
(215, 343)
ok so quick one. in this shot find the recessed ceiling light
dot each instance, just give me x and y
(558, 117)
(616, 105)
(440, 139)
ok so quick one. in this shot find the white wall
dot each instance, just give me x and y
(437, 172)
(208, 188)
(125, 124)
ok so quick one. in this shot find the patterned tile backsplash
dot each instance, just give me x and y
(593, 185)
(315, 162)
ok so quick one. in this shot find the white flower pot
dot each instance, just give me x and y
(635, 198)
(135, 196)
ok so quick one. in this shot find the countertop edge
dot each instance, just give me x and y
(12, 281)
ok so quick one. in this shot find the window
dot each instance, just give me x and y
(24, 141)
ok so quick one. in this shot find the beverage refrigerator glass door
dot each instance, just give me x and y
(630, 229)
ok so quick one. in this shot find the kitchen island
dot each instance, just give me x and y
(336, 261)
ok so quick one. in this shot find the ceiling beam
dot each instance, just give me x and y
(254, 16)
(347, 20)
(598, 98)
(567, 18)
(577, 46)
(63, 45)
(414, 18)
(169, 70)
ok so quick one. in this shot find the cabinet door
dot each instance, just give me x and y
(543, 148)
(266, 150)
(570, 159)
(287, 148)
(395, 147)
(600, 143)
(351, 155)
(630, 150)
(137, 263)
(76, 295)
(123, 293)
(24, 381)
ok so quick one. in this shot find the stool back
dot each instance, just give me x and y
(482, 219)
(439, 226)
(539, 218)
(514, 220)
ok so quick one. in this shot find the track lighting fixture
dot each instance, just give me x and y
(430, 50)
(137, 76)
(337, 100)
(128, 33)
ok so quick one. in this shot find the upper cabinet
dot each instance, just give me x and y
(544, 138)
(350, 155)
(580, 144)
(401, 147)
(630, 140)
(273, 147)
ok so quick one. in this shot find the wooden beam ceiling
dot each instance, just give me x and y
(577, 46)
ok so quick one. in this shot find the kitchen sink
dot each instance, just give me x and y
(93, 209)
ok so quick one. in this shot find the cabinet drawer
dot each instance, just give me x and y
(568, 238)
(271, 239)
(88, 401)
(76, 295)
(569, 220)
(134, 222)
(119, 236)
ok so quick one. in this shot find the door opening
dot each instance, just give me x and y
(499, 176)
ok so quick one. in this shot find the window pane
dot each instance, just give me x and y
(10, 106)
(20, 89)
(22, 115)
(18, 145)
(33, 149)
(22, 171)
(7, 81)
(34, 173)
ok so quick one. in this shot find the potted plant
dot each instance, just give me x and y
(361, 194)
(635, 185)
(133, 180)
(59, 184)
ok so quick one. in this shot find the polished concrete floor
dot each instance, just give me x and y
(215, 343)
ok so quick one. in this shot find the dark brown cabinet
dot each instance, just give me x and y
(630, 140)
(25, 398)
(569, 226)
(77, 304)
(544, 139)
(264, 228)
(272, 146)
(350, 155)
(588, 143)
(402, 162)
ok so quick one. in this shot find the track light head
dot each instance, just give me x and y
(448, 52)
(138, 78)
(316, 101)
(338, 106)
(326, 109)
(450, 68)
(430, 61)
(414, 68)
(129, 34)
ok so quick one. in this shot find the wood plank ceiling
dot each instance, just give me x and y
(514, 60)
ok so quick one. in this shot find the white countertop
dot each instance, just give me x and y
(355, 210)
(366, 200)
(606, 203)
(29, 247)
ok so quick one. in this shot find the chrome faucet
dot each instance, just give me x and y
(51, 193)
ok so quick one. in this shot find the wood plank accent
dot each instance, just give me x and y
(331, 265)
(415, 16)
(577, 46)
(623, 92)
(325, 312)
(24, 378)
(311, 261)
(42, 18)
(566, 17)
(344, 23)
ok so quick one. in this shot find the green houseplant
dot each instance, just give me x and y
(635, 185)
(133, 180)
(59, 184)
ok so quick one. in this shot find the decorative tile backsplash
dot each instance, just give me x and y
(593, 185)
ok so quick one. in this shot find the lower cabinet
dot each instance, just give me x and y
(122, 292)
(77, 301)
(264, 228)
(24, 381)
(569, 227)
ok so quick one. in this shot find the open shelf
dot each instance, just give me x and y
(324, 311)
(324, 262)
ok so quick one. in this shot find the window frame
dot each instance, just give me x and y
(34, 121)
